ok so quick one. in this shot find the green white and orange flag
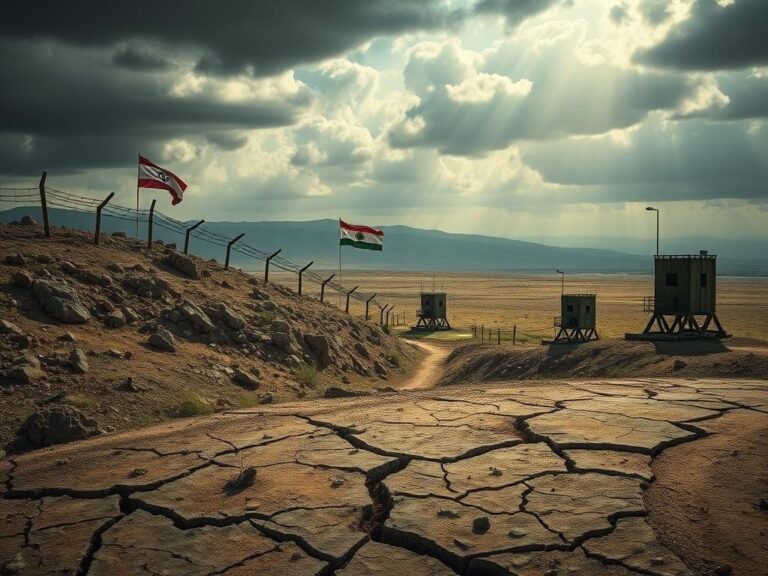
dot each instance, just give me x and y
(363, 237)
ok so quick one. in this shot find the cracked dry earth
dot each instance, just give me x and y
(543, 478)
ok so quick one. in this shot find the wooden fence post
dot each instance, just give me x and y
(322, 287)
(229, 249)
(187, 233)
(149, 224)
(514, 334)
(346, 309)
(498, 336)
(388, 314)
(44, 205)
(367, 302)
(381, 315)
(301, 272)
(98, 217)
(266, 265)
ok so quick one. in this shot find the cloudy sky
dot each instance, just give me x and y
(517, 118)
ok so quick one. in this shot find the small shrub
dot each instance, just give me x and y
(240, 481)
(306, 374)
(78, 401)
(194, 406)
(394, 358)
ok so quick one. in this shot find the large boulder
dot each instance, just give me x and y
(60, 301)
(232, 319)
(57, 425)
(320, 345)
(24, 370)
(23, 279)
(183, 263)
(196, 316)
(163, 340)
(282, 337)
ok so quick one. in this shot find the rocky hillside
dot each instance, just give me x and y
(101, 338)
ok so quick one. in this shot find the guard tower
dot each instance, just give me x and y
(576, 322)
(684, 288)
(433, 313)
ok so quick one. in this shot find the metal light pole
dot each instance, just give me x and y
(562, 282)
(652, 209)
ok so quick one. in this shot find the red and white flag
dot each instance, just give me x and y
(153, 176)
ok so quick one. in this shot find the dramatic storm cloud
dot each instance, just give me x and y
(511, 117)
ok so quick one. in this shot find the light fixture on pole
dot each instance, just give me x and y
(562, 282)
(652, 209)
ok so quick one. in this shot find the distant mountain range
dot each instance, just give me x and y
(405, 248)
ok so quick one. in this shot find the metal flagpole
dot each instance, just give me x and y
(138, 177)
(341, 283)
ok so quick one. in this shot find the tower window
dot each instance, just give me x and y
(671, 279)
(703, 280)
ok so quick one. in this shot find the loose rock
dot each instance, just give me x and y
(163, 340)
(57, 425)
(60, 301)
(77, 361)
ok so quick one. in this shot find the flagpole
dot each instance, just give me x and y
(341, 282)
(138, 176)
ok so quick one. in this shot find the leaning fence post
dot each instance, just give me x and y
(381, 314)
(366, 305)
(98, 216)
(322, 287)
(346, 309)
(149, 224)
(229, 249)
(187, 233)
(44, 205)
(302, 272)
(266, 265)
(388, 314)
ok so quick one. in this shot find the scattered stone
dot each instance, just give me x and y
(763, 504)
(130, 315)
(45, 259)
(69, 267)
(24, 371)
(119, 234)
(67, 337)
(17, 259)
(266, 398)
(723, 570)
(22, 279)
(163, 340)
(137, 473)
(129, 385)
(517, 533)
(115, 267)
(481, 525)
(362, 350)
(679, 364)
(27, 221)
(443, 513)
(182, 263)
(60, 301)
(115, 319)
(337, 482)
(57, 425)
(10, 328)
(282, 337)
(246, 379)
(77, 361)
(379, 368)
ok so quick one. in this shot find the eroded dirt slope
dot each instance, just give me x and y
(129, 336)
(610, 359)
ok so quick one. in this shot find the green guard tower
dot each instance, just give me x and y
(684, 301)
(433, 313)
(577, 320)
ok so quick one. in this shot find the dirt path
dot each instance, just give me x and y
(431, 368)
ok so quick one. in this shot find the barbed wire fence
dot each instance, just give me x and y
(514, 335)
(49, 196)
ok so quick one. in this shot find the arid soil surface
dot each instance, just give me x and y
(730, 357)
(238, 342)
(525, 478)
